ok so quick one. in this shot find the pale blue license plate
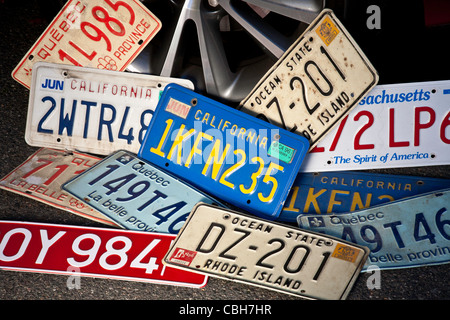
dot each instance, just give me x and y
(135, 194)
(405, 233)
(347, 191)
(236, 157)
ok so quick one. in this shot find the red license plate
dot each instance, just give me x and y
(103, 34)
(95, 252)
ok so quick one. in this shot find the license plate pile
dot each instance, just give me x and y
(266, 194)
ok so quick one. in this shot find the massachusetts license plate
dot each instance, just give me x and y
(101, 34)
(316, 82)
(40, 177)
(398, 125)
(91, 110)
(246, 249)
(94, 252)
(231, 155)
(342, 192)
(136, 194)
(406, 233)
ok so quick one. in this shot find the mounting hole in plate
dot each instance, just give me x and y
(166, 164)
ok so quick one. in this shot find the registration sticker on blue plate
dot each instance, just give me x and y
(91, 110)
(405, 233)
(135, 194)
(240, 159)
(347, 191)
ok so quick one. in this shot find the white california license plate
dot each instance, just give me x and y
(316, 82)
(40, 178)
(102, 34)
(398, 125)
(91, 110)
(243, 248)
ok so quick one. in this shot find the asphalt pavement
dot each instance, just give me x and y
(21, 23)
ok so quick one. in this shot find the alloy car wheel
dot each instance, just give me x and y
(223, 46)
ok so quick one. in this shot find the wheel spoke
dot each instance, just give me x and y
(267, 36)
(305, 10)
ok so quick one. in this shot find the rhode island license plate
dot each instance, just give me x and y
(405, 233)
(91, 110)
(342, 192)
(93, 252)
(238, 158)
(40, 177)
(101, 34)
(135, 194)
(238, 247)
(316, 82)
(398, 125)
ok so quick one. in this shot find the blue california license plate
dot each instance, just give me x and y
(242, 160)
(135, 194)
(405, 233)
(346, 191)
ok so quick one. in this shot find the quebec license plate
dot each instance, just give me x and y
(398, 125)
(135, 194)
(91, 110)
(101, 34)
(316, 82)
(40, 178)
(238, 247)
(406, 233)
(93, 252)
(342, 192)
(238, 158)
